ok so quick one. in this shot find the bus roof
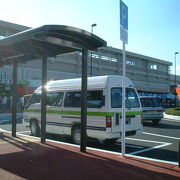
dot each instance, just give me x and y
(96, 82)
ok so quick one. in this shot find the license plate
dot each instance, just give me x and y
(152, 112)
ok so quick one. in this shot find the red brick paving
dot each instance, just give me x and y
(22, 159)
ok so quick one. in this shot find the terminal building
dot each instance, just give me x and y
(150, 75)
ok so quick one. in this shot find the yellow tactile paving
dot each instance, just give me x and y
(22, 139)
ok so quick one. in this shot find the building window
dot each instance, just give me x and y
(153, 66)
(131, 63)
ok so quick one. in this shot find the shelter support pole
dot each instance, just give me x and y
(123, 122)
(43, 101)
(14, 99)
(84, 101)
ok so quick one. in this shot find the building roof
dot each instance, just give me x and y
(7, 28)
(132, 54)
(47, 40)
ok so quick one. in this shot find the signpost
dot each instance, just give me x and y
(124, 38)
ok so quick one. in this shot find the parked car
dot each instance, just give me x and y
(152, 109)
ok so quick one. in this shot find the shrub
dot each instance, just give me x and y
(173, 111)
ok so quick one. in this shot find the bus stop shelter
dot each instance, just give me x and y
(43, 42)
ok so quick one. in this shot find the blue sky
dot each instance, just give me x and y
(154, 25)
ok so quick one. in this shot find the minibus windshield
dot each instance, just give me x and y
(150, 102)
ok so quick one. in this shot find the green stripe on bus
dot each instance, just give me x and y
(88, 113)
(79, 113)
(32, 110)
(100, 113)
(132, 113)
(72, 112)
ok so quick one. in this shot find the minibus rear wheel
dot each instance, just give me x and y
(76, 134)
(35, 130)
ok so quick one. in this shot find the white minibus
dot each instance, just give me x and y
(152, 109)
(104, 106)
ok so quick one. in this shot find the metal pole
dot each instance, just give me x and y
(175, 75)
(91, 52)
(175, 79)
(179, 156)
(175, 68)
(93, 25)
(91, 65)
(83, 101)
(14, 99)
(123, 146)
(43, 101)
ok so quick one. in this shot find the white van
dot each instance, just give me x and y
(152, 109)
(104, 106)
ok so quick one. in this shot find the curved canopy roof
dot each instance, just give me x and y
(47, 40)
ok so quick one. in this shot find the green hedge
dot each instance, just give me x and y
(173, 111)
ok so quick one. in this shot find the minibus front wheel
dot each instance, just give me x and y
(35, 130)
(156, 122)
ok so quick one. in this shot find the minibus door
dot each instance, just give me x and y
(54, 112)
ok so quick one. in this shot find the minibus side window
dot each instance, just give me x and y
(49, 99)
(36, 98)
(94, 99)
(54, 98)
(58, 98)
(72, 99)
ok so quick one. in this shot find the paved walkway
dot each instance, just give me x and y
(26, 158)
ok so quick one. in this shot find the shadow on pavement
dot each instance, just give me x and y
(32, 160)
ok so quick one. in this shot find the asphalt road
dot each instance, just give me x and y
(160, 142)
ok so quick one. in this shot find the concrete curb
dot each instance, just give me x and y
(10, 114)
(167, 116)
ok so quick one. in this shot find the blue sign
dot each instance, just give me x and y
(123, 15)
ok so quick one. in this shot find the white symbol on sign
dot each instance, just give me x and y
(124, 15)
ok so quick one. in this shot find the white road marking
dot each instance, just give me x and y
(111, 152)
(4, 121)
(145, 140)
(24, 132)
(172, 120)
(156, 160)
(161, 135)
(151, 148)
(134, 146)
(162, 144)
(2, 130)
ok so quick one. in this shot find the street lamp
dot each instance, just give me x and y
(92, 25)
(175, 73)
